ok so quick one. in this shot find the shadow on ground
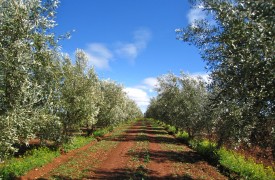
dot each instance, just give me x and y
(126, 174)
(144, 133)
(152, 135)
(169, 156)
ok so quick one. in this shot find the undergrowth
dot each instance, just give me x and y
(100, 133)
(183, 136)
(228, 159)
(246, 168)
(76, 143)
(16, 167)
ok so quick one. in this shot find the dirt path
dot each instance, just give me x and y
(39, 172)
(159, 167)
(142, 150)
(178, 160)
(113, 167)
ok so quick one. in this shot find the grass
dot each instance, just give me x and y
(82, 163)
(206, 148)
(183, 136)
(76, 143)
(34, 158)
(171, 129)
(15, 167)
(230, 160)
(147, 157)
(140, 156)
(246, 168)
(79, 166)
(102, 132)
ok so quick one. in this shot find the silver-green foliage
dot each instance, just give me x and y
(116, 106)
(180, 102)
(25, 51)
(80, 94)
(42, 93)
(237, 42)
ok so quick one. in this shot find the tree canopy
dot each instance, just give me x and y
(236, 39)
(42, 93)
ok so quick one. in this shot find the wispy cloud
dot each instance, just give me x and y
(130, 50)
(127, 50)
(195, 13)
(141, 37)
(99, 55)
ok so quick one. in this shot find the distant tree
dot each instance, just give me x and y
(116, 106)
(180, 102)
(168, 93)
(80, 94)
(237, 42)
(192, 102)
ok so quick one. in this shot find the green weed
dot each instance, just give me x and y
(205, 148)
(100, 132)
(147, 158)
(183, 136)
(246, 168)
(171, 129)
(35, 158)
(76, 143)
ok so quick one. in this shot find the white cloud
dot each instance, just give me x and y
(204, 76)
(151, 82)
(195, 13)
(139, 96)
(99, 55)
(131, 50)
(142, 93)
(141, 37)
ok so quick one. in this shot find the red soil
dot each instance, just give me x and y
(113, 166)
(118, 163)
(158, 167)
(39, 172)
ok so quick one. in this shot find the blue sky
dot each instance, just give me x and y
(131, 41)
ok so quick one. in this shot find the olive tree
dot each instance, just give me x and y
(180, 102)
(237, 42)
(192, 102)
(116, 106)
(80, 94)
(42, 93)
(26, 60)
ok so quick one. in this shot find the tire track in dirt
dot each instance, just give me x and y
(39, 172)
(179, 161)
(115, 165)
(159, 169)
(143, 150)
(91, 152)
